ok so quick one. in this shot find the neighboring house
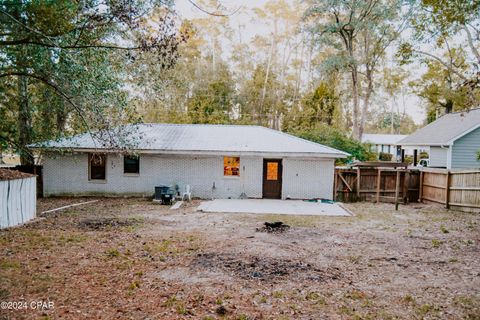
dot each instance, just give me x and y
(217, 161)
(386, 143)
(453, 139)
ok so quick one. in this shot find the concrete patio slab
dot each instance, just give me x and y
(292, 207)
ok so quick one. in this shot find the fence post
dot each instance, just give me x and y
(358, 183)
(379, 179)
(420, 187)
(397, 189)
(447, 191)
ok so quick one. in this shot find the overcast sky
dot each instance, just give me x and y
(250, 29)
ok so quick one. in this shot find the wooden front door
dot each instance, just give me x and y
(272, 178)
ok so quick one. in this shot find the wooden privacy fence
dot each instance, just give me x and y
(17, 201)
(459, 189)
(376, 184)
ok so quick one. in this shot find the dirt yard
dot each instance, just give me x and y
(131, 259)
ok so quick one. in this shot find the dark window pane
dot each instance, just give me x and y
(97, 166)
(131, 164)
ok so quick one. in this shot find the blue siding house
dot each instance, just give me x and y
(453, 140)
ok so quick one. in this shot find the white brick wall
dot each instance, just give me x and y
(68, 175)
(306, 179)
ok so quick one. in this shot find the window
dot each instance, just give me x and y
(97, 164)
(231, 166)
(131, 164)
(272, 170)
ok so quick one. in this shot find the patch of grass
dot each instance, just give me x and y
(316, 297)
(444, 229)
(134, 285)
(354, 259)
(470, 306)
(278, 294)
(182, 309)
(263, 299)
(170, 301)
(355, 295)
(467, 242)
(409, 299)
(243, 317)
(113, 253)
(426, 309)
(4, 294)
(9, 264)
(436, 243)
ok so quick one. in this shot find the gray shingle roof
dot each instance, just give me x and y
(198, 139)
(445, 130)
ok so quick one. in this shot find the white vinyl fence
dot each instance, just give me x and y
(18, 200)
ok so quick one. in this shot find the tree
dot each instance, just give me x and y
(453, 27)
(320, 106)
(53, 51)
(360, 31)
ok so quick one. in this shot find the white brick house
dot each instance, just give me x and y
(217, 161)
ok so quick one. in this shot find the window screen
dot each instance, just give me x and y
(97, 163)
(131, 164)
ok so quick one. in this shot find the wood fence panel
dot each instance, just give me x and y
(347, 184)
(434, 186)
(17, 201)
(465, 190)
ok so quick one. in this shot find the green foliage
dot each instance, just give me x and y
(383, 156)
(212, 103)
(337, 139)
(62, 65)
(320, 106)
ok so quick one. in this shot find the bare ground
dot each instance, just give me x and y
(131, 259)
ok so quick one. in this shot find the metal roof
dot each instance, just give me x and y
(203, 139)
(385, 139)
(445, 130)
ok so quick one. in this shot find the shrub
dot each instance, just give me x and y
(334, 138)
(383, 156)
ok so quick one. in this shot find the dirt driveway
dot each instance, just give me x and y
(131, 259)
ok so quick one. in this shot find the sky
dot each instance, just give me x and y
(242, 19)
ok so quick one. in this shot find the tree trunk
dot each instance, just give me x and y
(355, 113)
(366, 101)
(61, 117)
(24, 122)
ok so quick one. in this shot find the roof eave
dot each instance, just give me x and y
(203, 152)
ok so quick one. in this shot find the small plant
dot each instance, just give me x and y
(278, 294)
(354, 259)
(409, 299)
(263, 299)
(170, 301)
(425, 309)
(443, 229)
(112, 253)
(436, 243)
(355, 295)
(219, 301)
(134, 285)
(182, 309)
(242, 317)
(312, 296)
